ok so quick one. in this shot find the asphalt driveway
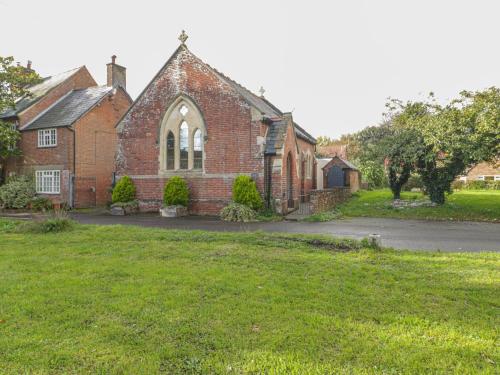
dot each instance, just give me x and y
(400, 234)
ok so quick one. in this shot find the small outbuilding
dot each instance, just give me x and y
(339, 173)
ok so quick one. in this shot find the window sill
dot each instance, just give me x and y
(44, 193)
(181, 172)
(51, 146)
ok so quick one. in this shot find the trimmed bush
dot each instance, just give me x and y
(176, 192)
(17, 192)
(245, 192)
(237, 212)
(41, 204)
(124, 190)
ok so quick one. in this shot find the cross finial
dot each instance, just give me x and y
(262, 91)
(183, 37)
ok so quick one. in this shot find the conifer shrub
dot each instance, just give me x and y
(176, 192)
(124, 190)
(245, 192)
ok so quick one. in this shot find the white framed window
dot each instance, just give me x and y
(480, 178)
(463, 178)
(47, 137)
(48, 182)
(497, 177)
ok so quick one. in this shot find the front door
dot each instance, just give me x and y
(289, 180)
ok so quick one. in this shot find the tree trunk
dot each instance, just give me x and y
(437, 195)
(396, 191)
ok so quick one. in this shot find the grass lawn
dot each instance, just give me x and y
(475, 205)
(116, 299)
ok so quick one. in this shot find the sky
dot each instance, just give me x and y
(333, 63)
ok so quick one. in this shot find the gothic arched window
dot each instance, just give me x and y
(170, 151)
(184, 145)
(182, 134)
(197, 150)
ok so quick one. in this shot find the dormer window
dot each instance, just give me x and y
(47, 137)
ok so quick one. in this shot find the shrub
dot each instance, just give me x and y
(482, 185)
(176, 192)
(414, 182)
(476, 185)
(245, 192)
(54, 224)
(458, 185)
(41, 204)
(17, 192)
(237, 212)
(124, 190)
(373, 173)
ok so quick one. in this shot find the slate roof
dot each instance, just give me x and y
(267, 108)
(275, 136)
(69, 108)
(38, 91)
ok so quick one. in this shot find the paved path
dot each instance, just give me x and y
(400, 234)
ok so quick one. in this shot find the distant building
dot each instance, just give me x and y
(483, 172)
(68, 136)
(337, 172)
(330, 151)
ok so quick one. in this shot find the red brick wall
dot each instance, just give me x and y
(96, 149)
(230, 149)
(59, 157)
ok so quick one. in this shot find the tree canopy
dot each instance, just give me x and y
(14, 80)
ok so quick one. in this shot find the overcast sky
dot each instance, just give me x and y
(333, 63)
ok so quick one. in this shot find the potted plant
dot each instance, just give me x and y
(175, 198)
(123, 197)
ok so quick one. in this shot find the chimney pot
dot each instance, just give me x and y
(28, 66)
(113, 59)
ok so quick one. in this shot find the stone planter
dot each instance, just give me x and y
(124, 209)
(173, 211)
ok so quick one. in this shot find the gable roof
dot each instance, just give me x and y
(260, 103)
(69, 108)
(344, 164)
(267, 108)
(37, 92)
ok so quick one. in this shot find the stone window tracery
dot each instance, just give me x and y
(181, 137)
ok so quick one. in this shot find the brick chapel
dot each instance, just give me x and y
(193, 121)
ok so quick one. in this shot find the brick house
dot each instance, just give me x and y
(68, 135)
(484, 172)
(193, 121)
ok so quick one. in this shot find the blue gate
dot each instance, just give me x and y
(335, 177)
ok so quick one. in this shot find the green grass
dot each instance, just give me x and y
(116, 299)
(474, 205)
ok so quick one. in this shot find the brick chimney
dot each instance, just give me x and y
(28, 65)
(117, 75)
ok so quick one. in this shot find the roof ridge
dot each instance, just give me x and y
(227, 78)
